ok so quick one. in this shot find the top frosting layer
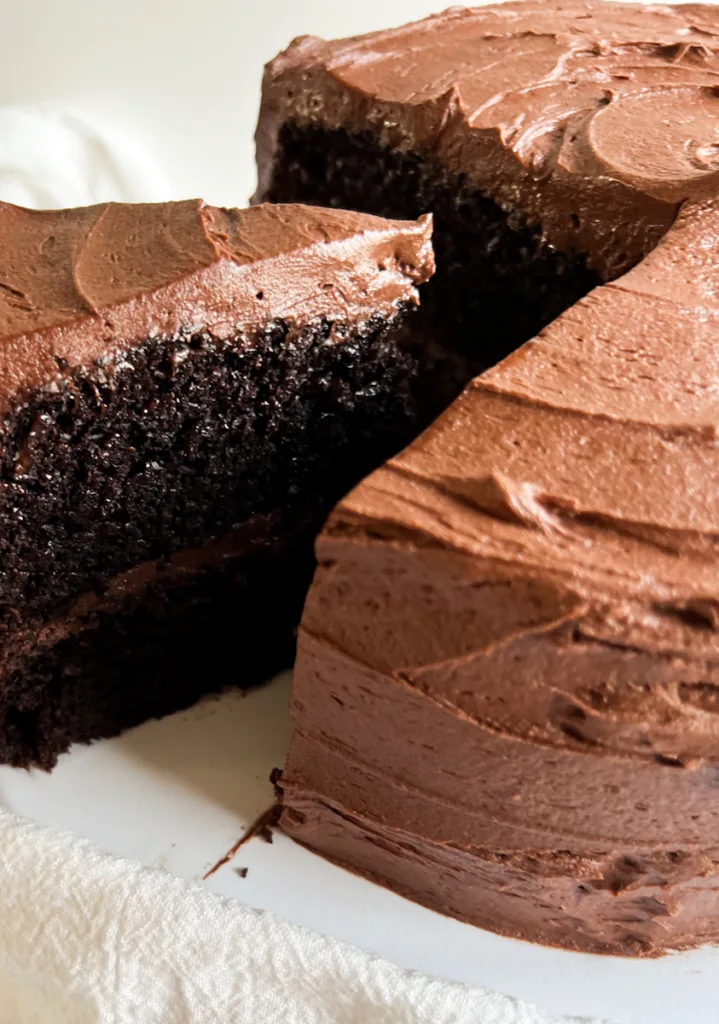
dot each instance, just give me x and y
(80, 284)
(596, 119)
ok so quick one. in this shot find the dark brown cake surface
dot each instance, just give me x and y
(553, 141)
(185, 392)
(505, 699)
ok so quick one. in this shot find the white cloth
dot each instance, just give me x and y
(86, 938)
(52, 156)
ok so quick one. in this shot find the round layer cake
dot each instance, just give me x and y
(506, 700)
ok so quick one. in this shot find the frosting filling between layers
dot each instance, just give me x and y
(174, 378)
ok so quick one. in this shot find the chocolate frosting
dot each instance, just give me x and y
(595, 119)
(85, 284)
(507, 694)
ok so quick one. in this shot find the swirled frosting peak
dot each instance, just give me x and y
(595, 119)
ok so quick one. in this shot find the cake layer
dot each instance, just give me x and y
(156, 639)
(176, 376)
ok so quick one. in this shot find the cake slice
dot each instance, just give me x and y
(185, 392)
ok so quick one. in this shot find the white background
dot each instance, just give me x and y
(180, 76)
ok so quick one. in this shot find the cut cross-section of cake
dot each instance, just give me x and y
(553, 140)
(185, 391)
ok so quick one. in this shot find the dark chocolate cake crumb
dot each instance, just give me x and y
(498, 282)
(260, 827)
(232, 437)
(185, 393)
(276, 779)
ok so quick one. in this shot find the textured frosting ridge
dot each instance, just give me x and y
(586, 462)
(81, 284)
(507, 693)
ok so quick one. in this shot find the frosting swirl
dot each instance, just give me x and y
(596, 120)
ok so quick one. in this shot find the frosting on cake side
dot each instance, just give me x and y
(509, 659)
(506, 700)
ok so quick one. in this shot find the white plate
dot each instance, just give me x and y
(177, 794)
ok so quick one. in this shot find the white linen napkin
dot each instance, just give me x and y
(52, 156)
(87, 938)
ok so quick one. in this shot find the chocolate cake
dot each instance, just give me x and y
(506, 700)
(185, 392)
